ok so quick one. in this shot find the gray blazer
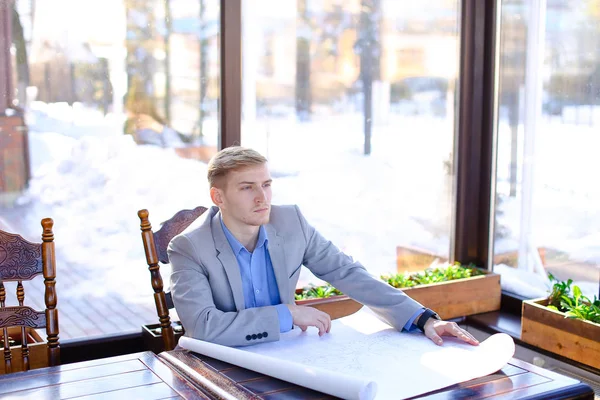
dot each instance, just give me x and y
(207, 290)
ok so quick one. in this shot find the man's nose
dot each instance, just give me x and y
(261, 196)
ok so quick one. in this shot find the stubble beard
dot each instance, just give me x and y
(264, 219)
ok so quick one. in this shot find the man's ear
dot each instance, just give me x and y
(216, 196)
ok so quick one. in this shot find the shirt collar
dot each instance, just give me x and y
(235, 244)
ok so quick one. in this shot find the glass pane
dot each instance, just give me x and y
(120, 99)
(374, 177)
(548, 202)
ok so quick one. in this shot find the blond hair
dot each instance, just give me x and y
(231, 159)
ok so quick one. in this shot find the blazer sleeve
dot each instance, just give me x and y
(193, 298)
(329, 263)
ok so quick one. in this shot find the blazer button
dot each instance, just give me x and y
(254, 337)
(248, 337)
(265, 334)
(260, 335)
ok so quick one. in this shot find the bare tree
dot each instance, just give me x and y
(167, 38)
(303, 61)
(22, 61)
(369, 48)
(203, 78)
(140, 44)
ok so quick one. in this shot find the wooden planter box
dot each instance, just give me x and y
(335, 306)
(460, 297)
(38, 350)
(151, 334)
(549, 330)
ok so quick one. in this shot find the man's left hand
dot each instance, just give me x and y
(434, 329)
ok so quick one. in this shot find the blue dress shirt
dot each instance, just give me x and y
(259, 283)
(258, 278)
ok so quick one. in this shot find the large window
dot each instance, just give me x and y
(120, 99)
(548, 203)
(352, 101)
(353, 104)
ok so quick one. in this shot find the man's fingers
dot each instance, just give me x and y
(467, 337)
(473, 338)
(462, 336)
(326, 320)
(435, 338)
(451, 329)
(460, 333)
(305, 317)
(320, 326)
(325, 323)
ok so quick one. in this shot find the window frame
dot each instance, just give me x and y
(474, 155)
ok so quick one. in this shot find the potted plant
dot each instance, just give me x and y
(565, 323)
(327, 299)
(452, 290)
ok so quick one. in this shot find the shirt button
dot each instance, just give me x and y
(257, 291)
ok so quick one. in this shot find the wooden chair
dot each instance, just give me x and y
(21, 260)
(155, 246)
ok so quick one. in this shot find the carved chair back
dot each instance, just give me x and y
(21, 260)
(155, 246)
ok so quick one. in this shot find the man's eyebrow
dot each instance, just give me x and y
(252, 183)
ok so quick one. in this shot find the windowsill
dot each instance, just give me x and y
(497, 322)
(510, 324)
(91, 348)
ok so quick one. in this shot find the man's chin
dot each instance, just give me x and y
(263, 219)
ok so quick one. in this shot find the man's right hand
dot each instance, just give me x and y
(304, 316)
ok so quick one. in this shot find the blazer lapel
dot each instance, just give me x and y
(229, 262)
(277, 254)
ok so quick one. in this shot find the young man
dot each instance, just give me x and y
(236, 268)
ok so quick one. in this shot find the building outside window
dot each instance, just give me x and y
(375, 179)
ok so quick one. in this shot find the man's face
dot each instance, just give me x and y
(245, 196)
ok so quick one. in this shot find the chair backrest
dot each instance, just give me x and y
(21, 260)
(155, 246)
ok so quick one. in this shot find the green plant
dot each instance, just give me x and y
(570, 301)
(318, 292)
(399, 280)
(432, 275)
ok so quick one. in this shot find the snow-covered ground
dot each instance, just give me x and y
(92, 180)
(92, 185)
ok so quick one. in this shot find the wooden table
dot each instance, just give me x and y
(515, 381)
(134, 376)
(182, 374)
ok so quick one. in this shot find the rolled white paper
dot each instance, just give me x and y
(322, 380)
(363, 357)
